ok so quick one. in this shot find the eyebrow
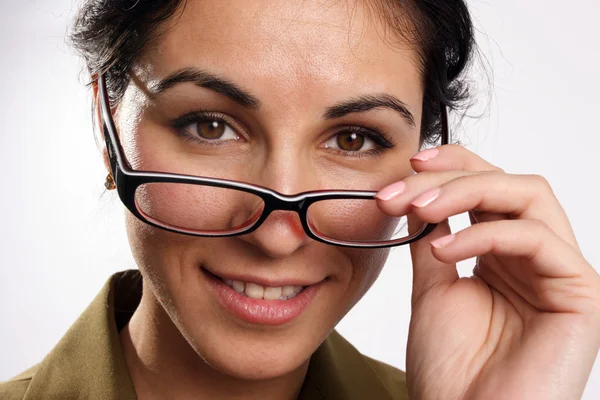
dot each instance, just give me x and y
(234, 92)
(209, 81)
(369, 102)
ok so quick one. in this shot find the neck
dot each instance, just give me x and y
(162, 364)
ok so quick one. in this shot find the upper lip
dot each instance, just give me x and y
(265, 282)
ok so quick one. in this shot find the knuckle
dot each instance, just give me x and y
(540, 183)
(533, 233)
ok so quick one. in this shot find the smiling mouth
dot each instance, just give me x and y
(260, 304)
(255, 291)
(259, 292)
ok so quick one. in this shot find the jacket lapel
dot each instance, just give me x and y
(88, 361)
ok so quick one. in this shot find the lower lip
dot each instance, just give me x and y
(259, 311)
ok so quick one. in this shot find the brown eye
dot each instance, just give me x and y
(350, 141)
(210, 129)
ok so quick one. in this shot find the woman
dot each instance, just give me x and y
(271, 100)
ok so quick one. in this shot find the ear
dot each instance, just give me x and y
(98, 121)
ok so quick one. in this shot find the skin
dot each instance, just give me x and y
(180, 342)
(525, 325)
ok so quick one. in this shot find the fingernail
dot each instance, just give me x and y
(391, 191)
(426, 198)
(426, 154)
(443, 241)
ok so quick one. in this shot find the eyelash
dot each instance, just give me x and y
(199, 116)
(382, 141)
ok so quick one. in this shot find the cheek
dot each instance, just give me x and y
(366, 267)
(355, 220)
(156, 251)
(164, 258)
(198, 208)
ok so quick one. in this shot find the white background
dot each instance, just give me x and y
(61, 237)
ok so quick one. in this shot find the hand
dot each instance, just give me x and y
(526, 325)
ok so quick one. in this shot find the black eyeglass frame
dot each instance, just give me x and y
(128, 180)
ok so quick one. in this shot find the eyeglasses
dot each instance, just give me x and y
(214, 207)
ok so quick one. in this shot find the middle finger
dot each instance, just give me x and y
(519, 196)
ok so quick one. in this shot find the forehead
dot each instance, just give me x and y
(292, 49)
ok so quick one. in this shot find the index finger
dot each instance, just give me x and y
(450, 157)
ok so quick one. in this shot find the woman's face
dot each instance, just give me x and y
(290, 63)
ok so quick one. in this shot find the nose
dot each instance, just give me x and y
(282, 234)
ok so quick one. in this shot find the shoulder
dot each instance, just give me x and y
(15, 388)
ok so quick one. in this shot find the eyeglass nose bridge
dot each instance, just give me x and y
(284, 203)
(280, 202)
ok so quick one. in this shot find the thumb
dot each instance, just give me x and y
(428, 271)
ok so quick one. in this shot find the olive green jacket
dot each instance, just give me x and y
(88, 362)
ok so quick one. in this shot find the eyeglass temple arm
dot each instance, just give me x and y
(108, 128)
(444, 121)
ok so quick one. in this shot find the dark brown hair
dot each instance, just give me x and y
(112, 34)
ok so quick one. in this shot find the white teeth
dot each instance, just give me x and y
(238, 286)
(268, 293)
(254, 291)
(287, 291)
(272, 293)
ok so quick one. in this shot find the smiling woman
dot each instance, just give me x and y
(268, 157)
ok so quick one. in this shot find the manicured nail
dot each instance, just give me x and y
(426, 154)
(443, 241)
(426, 198)
(391, 191)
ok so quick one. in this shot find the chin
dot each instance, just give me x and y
(255, 355)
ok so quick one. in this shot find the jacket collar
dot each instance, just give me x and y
(88, 362)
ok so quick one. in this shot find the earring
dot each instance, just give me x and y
(110, 182)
